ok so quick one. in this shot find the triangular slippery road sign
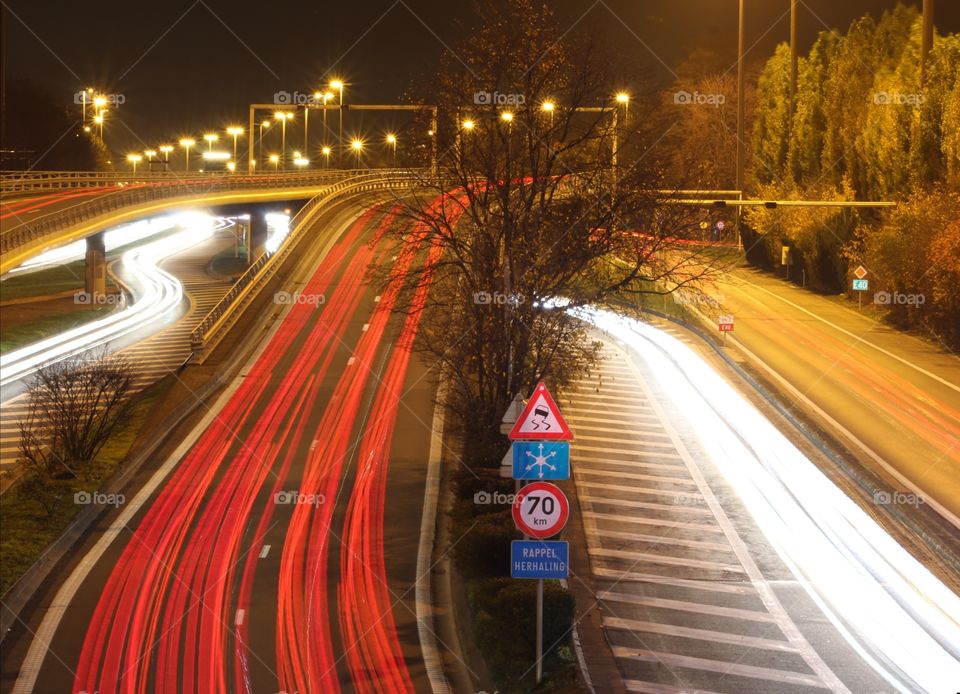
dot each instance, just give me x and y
(541, 419)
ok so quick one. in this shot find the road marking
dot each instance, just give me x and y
(645, 429)
(642, 504)
(699, 634)
(635, 476)
(238, 620)
(617, 518)
(265, 551)
(623, 451)
(638, 490)
(686, 606)
(664, 559)
(858, 338)
(642, 577)
(720, 666)
(630, 442)
(760, 584)
(667, 540)
(629, 463)
(658, 688)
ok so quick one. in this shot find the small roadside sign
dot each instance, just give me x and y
(541, 510)
(860, 272)
(539, 559)
(541, 419)
(541, 460)
(725, 324)
(861, 285)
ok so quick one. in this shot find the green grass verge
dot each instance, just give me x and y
(36, 329)
(28, 530)
(503, 610)
(52, 280)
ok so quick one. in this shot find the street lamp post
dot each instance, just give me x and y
(235, 131)
(326, 97)
(98, 120)
(134, 159)
(283, 117)
(263, 124)
(357, 146)
(326, 156)
(166, 149)
(338, 85)
(741, 150)
(210, 138)
(275, 160)
(187, 143)
(392, 141)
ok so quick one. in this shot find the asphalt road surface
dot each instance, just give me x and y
(272, 552)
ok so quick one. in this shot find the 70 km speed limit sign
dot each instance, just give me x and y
(541, 510)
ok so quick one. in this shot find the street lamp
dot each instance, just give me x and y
(275, 160)
(134, 159)
(234, 130)
(166, 149)
(624, 100)
(357, 146)
(299, 160)
(85, 92)
(337, 84)
(283, 117)
(231, 166)
(548, 107)
(392, 141)
(98, 120)
(210, 138)
(468, 124)
(326, 97)
(187, 143)
(326, 156)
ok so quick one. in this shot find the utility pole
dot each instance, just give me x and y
(793, 56)
(927, 39)
(741, 151)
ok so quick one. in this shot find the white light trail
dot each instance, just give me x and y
(889, 607)
(278, 226)
(159, 292)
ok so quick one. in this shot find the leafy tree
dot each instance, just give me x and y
(771, 128)
(805, 148)
(562, 205)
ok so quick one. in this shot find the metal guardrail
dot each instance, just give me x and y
(209, 331)
(47, 226)
(37, 181)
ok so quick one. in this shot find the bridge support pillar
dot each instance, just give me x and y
(258, 232)
(95, 267)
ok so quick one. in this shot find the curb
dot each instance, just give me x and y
(428, 525)
(20, 594)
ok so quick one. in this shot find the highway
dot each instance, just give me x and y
(170, 294)
(896, 396)
(271, 551)
(724, 560)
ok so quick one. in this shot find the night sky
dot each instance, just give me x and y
(186, 66)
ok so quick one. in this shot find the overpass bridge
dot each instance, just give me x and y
(43, 210)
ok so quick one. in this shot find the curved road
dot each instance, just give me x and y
(256, 558)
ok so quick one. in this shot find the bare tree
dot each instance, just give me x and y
(74, 406)
(550, 191)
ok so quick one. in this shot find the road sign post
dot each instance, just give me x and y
(540, 450)
(725, 325)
